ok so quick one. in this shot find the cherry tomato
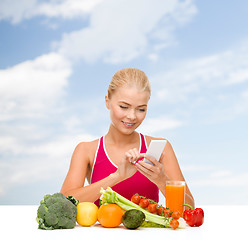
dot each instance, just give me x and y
(161, 211)
(174, 224)
(144, 202)
(135, 198)
(152, 207)
(168, 212)
(176, 215)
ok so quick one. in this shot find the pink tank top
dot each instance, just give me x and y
(138, 183)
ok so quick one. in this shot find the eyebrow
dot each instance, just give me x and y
(143, 105)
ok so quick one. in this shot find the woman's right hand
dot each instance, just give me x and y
(127, 168)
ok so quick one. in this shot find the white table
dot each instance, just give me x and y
(221, 222)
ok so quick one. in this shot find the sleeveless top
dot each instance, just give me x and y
(138, 183)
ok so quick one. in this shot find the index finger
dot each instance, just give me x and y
(141, 155)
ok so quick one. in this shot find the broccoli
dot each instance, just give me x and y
(56, 211)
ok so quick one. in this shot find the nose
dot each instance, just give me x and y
(131, 114)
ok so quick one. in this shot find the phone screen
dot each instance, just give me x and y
(155, 149)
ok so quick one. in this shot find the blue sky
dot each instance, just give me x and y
(58, 56)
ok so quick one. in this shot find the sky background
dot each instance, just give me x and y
(57, 58)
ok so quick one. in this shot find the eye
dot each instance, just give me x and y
(142, 109)
(123, 107)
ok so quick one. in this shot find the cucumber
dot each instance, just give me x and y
(133, 218)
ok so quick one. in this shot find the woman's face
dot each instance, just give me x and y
(128, 107)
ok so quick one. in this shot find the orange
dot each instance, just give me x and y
(109, 215)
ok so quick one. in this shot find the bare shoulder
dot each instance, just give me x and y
(149, 138)
(168, 146)
(87, 148)
(87, 145)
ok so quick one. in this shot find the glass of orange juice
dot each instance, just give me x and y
(175, 195)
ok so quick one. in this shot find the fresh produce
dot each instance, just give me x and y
(86, 214)
(136, 198)
(176, 215)
(174, 224)
(181, 221)
(193, 217)
(144, 202)
(133, 218)
(152, 207)
(162, 211)
(168, 212)
(110, 215)
(110, 196)
(56, 211)
(149, 224)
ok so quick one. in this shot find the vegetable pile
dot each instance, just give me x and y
(151, 217)
(56, 211)
(193, 217)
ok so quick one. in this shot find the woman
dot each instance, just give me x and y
(111, 160)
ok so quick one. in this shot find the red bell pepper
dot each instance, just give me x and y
(193, 217)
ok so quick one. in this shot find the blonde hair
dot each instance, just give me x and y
(129, 77)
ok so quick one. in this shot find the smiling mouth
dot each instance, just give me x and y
(129, 125)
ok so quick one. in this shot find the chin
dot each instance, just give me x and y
(124, 131)
(129, 131)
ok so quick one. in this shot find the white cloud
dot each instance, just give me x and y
(218, 179)
(31, 92)
(196, 168)
(19, 11)
(214, 71)
(221, 173)
(38, 162)
(212, 176)
(204, 86)
(67, 8)
(32, 87)
(120, 31)
(158, 124)
(38, 134)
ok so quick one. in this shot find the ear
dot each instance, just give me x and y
(107, 101)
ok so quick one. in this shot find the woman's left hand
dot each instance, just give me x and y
(155, 173)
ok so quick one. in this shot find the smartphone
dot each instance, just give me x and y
(155, 150)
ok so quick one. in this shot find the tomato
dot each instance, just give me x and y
(174, 224)
(135, 198)
(161, 211)
(144, 202)
(176, 215)
(86, 214)
(168, 212)
(152, 207)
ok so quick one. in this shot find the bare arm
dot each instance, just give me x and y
(91, 192)
(75, 179)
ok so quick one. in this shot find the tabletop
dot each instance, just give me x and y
(224, 222)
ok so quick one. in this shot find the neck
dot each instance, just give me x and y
(115, 137)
